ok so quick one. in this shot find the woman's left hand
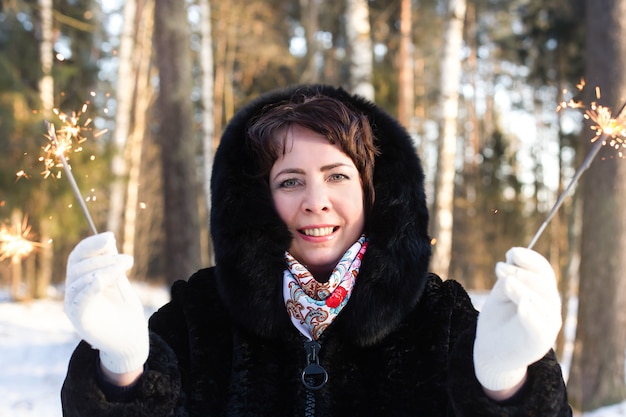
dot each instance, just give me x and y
(519, 321)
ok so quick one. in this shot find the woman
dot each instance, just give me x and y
(320, 303)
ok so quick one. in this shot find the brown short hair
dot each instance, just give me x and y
(327, 116)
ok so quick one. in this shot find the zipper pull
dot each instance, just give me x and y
(314, 376)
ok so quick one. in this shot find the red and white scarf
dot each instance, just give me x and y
(312, 305)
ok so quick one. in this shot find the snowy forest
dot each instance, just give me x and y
(513, 105)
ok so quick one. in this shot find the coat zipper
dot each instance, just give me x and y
(314, 376)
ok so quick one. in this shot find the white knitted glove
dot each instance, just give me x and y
(103, 307)
(519, 321)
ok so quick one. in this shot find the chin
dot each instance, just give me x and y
(321, 270)
(323, 259)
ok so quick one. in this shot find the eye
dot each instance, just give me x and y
(289, 183)
(338, 177)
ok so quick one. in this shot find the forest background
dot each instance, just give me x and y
(146, 87)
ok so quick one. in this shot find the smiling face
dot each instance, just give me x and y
(318, 193)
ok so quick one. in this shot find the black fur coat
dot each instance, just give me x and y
(224, 345)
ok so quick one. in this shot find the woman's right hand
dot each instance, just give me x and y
(103, 307)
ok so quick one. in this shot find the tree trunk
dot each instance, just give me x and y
(230, 66)
(46, 94)
(46, 83)
(309, 16)
(45, 254)
(598, 370)
(125, 93)
(19, 285)
(16, 278)
(224, 41)
(143, 96)
(567, 240)
(360, 48)
(447, 146)
(175, 136)
(406, 98)
(208, 125)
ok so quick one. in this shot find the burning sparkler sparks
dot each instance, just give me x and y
(59, 148)
(21, 174)
(67, 140)
(62, 143)
(609, 130)
(15, 244)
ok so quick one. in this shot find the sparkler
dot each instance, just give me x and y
(14, 244)
(59, 148)
(56, 152)
(609, 130)
(68, 140)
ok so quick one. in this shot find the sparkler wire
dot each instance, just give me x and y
(583, 167)
(70, 177)
(599, 142)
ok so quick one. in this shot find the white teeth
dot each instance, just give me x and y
(318, 231)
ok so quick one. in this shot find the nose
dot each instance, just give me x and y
(316, 199)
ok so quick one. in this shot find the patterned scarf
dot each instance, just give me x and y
(312, 305)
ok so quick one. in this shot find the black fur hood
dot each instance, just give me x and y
(250, 238)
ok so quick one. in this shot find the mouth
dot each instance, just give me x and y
(319, 231)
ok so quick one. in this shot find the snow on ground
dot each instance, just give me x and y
(37, 340)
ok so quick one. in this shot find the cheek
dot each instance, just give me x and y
(359, 214)
(283, 206)
(353, 205)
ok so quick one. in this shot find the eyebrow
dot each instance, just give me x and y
(322, 169)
